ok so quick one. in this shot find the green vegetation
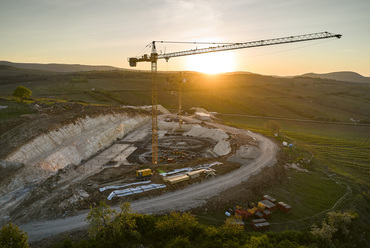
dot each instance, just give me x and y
(13, 110)
(12, 237)
(126, 229)
(22, 92)
(333, 228)
(273, 126)
(338, 162)
(311, 99)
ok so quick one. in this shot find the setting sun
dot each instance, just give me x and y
(211, 63)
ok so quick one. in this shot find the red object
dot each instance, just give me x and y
(260, 224)
(284, 207)
(266, 213)
(242, 213)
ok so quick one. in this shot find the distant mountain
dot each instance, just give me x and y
(347, 76)
(59, 67)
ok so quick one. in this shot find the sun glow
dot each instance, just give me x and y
(211, 63)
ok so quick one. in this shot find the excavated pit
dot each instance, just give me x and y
(76, 187)
(175, 149)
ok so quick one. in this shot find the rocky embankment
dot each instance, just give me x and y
(69, 144)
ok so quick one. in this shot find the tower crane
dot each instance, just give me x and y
(154, 56)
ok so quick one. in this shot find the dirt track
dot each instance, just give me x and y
(185, 199)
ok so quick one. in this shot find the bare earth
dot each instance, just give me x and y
(252, 160)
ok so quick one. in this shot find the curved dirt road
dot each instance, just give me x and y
(190, 197)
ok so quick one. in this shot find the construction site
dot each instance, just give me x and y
(158, 161)
(200, 152)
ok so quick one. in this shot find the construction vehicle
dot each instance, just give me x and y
(154, 56)
(144, 174)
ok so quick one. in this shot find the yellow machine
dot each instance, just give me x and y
(252, 210)
(261, 206)
(144, 174)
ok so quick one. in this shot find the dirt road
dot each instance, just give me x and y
(185, 199)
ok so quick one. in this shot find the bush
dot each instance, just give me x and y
(22, 92)
(12, 237)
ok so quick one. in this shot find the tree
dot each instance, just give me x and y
(177, 224)
(179, 242)
(259, 242)
(230, 229)
(273, 126)
(22, 92)
(12, 237)
(111, 229)
(336, 223)
(100, 217)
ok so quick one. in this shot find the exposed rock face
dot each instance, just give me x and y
(70, 144)
(222, 147)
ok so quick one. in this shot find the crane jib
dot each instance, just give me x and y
(231, 46)
(251, 44)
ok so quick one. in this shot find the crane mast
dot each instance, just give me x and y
(154, 105)
(154, 56)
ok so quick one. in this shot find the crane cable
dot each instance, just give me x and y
(183, 42)
(198, 42)
(144, 50)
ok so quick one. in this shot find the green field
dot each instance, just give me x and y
(338, 177)
(248, 94)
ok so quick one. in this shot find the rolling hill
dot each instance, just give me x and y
(243, 94)
(60, 67)
(347, 76)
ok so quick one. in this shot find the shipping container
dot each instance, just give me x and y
(260, 224)
(284, 207)
(266, 213)
(242, 213)
(269, 205)
(269, 198)
(259, 214)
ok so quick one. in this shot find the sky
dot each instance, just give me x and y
(97, 32)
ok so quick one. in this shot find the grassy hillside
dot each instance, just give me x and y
(341, 76)
(338, 177)
(245, 94)
(57, 67)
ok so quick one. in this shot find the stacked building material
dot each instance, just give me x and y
(195, 174)
(176, 179)
(136, 190)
